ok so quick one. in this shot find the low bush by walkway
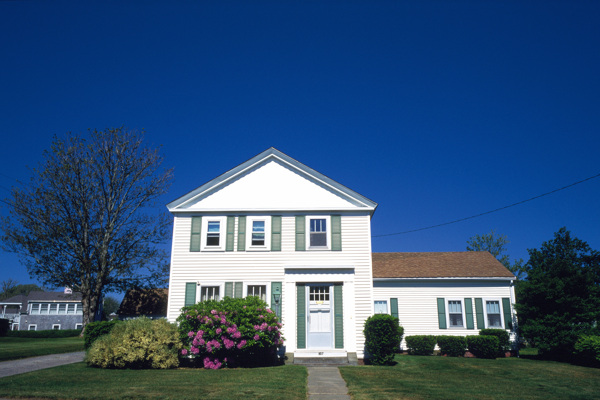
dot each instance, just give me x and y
(471, 378)
(12, 348)
(77, 381)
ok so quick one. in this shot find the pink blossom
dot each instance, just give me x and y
(244, 306)
(213, 312)
(201, 342)
(256, 337)
(241, 344)
(194, 350)
(190, 334)
(261, 316)
(231, 330)
(269, 311)
(200, 333)
(256, 327)
(223, 320)
(183, 352)
(218, 331)
(237, 335)
(228, 343)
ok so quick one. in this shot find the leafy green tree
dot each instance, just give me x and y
(560, 299)
(88, 218)
(496, 245)
(111, 305)
(10, 288)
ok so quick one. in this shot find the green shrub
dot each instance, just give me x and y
(137, 344)
(382, 338)
(421, 345)
(50, 333)
(503, 339)
(483, 346)
(453, 346)
(230, 333)
(94, 330)
(587, 350)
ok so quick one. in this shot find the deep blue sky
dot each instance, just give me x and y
(437, 110)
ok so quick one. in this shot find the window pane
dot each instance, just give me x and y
(44, 307)
(318, 225)
(62, 308)
(71, 309)
(209, 293)
(456, 320)
(258, 233)
(214, 226)
(259, 291)
(494, 321)
(213, 235)
(454, 307)
(381, 307)
(54, 308)
(493, 307)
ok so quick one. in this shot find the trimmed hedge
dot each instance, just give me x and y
(94, 330)
(383, 335)
(137, 343)
(587, 350)
(503, 339)
(452, 346)
(4, 327)
(483, 346)
(421, 345)
(45, 334)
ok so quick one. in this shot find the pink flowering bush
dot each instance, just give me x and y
(230, 333)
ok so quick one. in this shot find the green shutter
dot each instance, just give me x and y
(239, 290)
(338, 310)
(241, 233)
(228, 289)
(300, 233)
(301, 316)
(394, 308)
(190, 294)
(276, 290)
(195, 238)
(276, 233)
(336, 233)
(230, 232)
(441, 306)
(469, 313)
(479, 313)
(507, 314)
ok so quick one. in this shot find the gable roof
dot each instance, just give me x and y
(465, 264)
(43, 296)
(347, 198)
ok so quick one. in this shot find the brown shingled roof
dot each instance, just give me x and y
(464, 264)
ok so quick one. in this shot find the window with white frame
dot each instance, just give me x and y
(32, 327)
(319, 232)
(493, 315)
(78, 326)
(455, 314)
(55, 308)
(381, 307)
(259, 291)
(209, 293)
(213, 233)
(258, 229)
(56, 327)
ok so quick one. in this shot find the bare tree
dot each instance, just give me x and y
(88, 217)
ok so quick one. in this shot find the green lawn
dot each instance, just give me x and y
(77, 381)
(12, 348)
(418, 377)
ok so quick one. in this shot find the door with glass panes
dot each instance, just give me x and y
(319, 316)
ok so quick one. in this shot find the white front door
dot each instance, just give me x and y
(319, 316)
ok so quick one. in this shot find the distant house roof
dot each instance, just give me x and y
(149, 302)
(43, 296)
(465, 264)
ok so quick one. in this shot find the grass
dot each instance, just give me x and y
(418, 377)
(12, 348)
(77, 381)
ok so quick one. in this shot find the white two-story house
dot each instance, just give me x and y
(274, 228)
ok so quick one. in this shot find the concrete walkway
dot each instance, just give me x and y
(14, 367)
(326, 383)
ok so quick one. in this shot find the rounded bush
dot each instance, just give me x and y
(452, 346)
(382, 338)
(94, 330)
(230, 333)
(421, 345)
(503, 339)
(483, 346)
(587, 350)
(137, 344)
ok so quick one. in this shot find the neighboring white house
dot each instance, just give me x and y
(275, 228)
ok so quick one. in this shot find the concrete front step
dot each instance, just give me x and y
(348, 359)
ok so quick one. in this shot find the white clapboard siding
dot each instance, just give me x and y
(270, 266)
(417, 301)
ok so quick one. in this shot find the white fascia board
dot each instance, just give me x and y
(263, 157)
(270, 210)
(9, 304)
(321, 266)
(449, 278)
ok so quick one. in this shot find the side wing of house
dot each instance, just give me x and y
(45, 311)
(444, 293)
(277, 229)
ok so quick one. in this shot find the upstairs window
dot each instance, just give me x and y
(213, 235)
(258, 230)
(318, 232)
(258, 233)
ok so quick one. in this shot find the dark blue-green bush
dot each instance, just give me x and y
(4, 326)
(94, 330)
(452, 346)
(503, 339)
(383, 335)
(421, 345)
(50, 333)
(483, 346)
